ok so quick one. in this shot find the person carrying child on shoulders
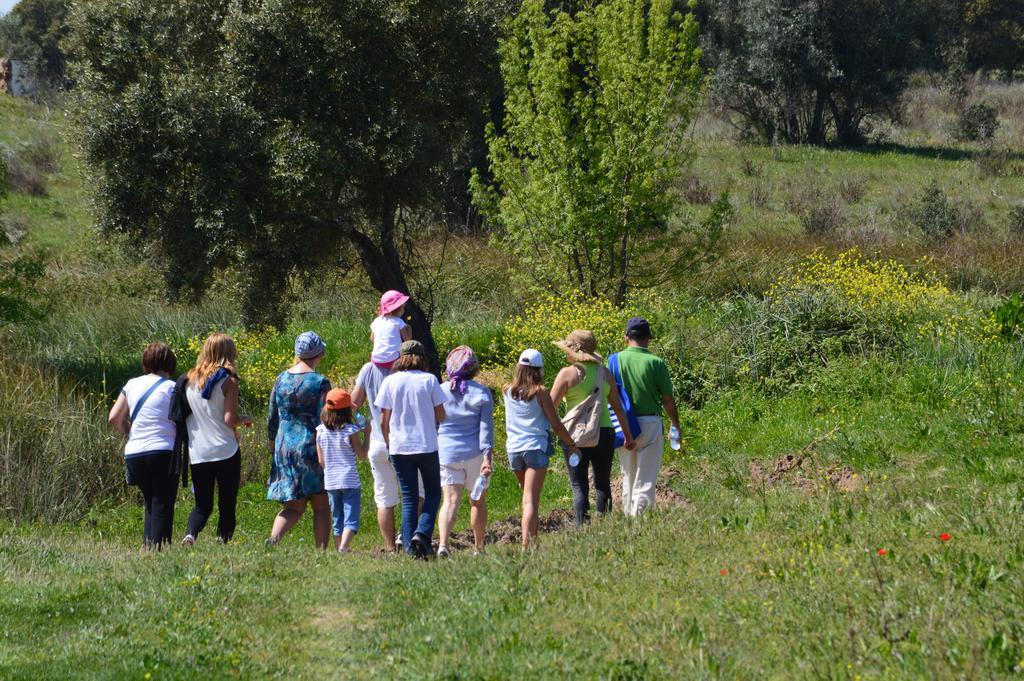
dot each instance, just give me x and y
(338, 443)
(388, 331)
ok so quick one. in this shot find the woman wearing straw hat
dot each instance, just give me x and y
(575, 384)
(296, 477)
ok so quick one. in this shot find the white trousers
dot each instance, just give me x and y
(640, 467)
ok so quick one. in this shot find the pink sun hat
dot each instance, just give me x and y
(391, 301)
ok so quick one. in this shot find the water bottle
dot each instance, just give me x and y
(674, 438)
(360, 420)
(478, 489)
(574, 459)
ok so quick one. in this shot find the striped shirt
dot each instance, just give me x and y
(340, 470)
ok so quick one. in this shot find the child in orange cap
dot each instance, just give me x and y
(338, 444)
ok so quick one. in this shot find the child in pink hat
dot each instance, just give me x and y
(389, 330)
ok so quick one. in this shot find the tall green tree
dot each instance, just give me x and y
(277, 136)
(814, 70)
(598, 101)
(43, 25)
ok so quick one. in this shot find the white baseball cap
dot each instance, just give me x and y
(532, 358)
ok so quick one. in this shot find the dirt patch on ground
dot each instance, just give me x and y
(800, 470)
(508, 531)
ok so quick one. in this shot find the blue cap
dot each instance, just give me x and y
(639, 327)
(309, 345)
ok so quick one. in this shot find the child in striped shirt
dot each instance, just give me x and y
(339, 441)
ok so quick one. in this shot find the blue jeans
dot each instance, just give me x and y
(345, 507)
(429, 467)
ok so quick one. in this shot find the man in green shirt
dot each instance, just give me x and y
(646, 381)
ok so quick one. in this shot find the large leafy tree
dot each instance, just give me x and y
(814, 70)
(598, 100)
(277, 136)
(42, 25)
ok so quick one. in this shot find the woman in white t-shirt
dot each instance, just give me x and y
(141, 413)
(411, 408)
(213, 452)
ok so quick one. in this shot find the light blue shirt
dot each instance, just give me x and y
(468, 427)
(526, 426)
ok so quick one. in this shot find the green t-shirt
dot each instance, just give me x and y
(645, 378)
(582, 390)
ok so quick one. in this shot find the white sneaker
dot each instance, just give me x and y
(443, 552)
(188, 540)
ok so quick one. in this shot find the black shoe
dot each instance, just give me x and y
(420, 547)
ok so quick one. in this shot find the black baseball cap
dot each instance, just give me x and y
(639, 327)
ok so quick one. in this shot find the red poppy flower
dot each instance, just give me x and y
(882, 552)
(945, 536)
(723, 571)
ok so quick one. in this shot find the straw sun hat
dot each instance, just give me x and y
(580, 346)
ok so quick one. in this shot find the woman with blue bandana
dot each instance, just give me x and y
(296, 477)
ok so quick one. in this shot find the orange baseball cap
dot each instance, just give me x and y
(339, 399)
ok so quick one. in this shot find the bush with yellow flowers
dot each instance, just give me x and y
(552, 318)
(261, 357)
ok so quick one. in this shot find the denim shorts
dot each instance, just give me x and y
(345, 507)
(531, 458)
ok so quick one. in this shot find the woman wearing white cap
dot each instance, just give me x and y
(530, 417)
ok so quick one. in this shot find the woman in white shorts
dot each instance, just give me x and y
(386, 494)
(465, 444)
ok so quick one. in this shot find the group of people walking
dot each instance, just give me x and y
(426, 442)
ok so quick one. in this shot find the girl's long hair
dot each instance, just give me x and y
(218, 352)
(527, 382)
(334, 419)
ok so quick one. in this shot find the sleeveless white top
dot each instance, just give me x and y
(209, 438)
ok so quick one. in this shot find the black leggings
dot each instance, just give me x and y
(600, 458)
(227, 474)
(159, 486)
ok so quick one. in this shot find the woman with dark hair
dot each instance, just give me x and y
(411, 403)
(141, 413)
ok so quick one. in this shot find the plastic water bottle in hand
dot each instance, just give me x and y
(360, 420)
(478, 489)
(674, 438)
(574, 459)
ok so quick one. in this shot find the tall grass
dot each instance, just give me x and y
(58, 456)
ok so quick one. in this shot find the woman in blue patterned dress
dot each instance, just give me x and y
(296, 478)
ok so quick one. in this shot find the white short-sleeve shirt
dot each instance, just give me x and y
(387, 338)
(151, 430)
(411, 396)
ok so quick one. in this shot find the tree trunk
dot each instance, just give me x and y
(816, 133)
(383, 266)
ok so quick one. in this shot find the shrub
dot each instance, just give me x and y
(1017, 220)
(695, 191)
(29, 164)
(968, 217)
(853, 189)
(976, 123)
(819, 212)
(932, 213)
(759, 193)
(1009, 317)
(749, 168)
(995, 163)
(551, 318)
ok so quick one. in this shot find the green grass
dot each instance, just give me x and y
(804, 594)
(933, 432)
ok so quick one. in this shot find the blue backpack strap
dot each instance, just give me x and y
(145, 396)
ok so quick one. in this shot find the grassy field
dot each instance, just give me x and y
(848, 502)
